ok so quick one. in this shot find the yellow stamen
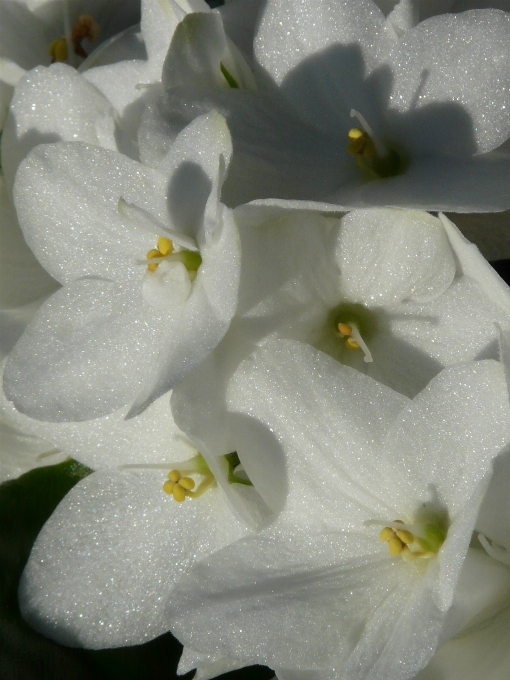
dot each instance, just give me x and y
(386, 534)
(395, 545)
(168, 486)
(354, 341)
(179, 493)
(58, 50)
(165, 245)
(405, 536)
(360, 143)
(84, 27)
(351, 343)
(180, 487)
(399, 540)
(344, 329)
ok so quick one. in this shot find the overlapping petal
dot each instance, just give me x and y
(300, 574)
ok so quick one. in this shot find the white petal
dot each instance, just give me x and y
(240, 21)
(414, 341)
(13, 323)
(21, 452)
(481, 654)
(387, 256)
(478, 184)
(51, 105)
(451, 83)
(473, 264)
(159, 20)
(454, 428)
(22, 36)
(207, 666)
(85, 354)
(152, 438)
(285, 384)
(118, 83)
(198, 51)
(76, 189)
(482, 592)
(22, 279)
(276, 153)
(319, 54)
(108, 558)
(198, 325)
(196, 163)
(494, 518)
(286, 597)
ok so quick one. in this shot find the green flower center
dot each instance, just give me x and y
(373, 156)
(347, 333)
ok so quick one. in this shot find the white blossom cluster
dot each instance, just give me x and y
(229, 287)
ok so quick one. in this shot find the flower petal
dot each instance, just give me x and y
(319, 53)
(481, 653)
(51, 105)
(197, 327)
(108, 558)
(86, 353)
(286, 597)
(104, 441)
(76, 189)
(474, 265)
(22, 279)
(478, 184)
(454, 428)
(387, 256)
(343, 409)
(451, 84)
(275, 153)
(494, 518)
(199, 54)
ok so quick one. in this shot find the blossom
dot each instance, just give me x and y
(483, 648)
(427, 119)
(420, 295)
(107, 559)
(28, 29)
(150, 283)
(317, 590)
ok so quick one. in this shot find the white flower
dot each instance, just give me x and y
(106, 561)
(481, 650)
(124, 328)
(429, 107)
(420, 295)
(318, 590)
(28, 28)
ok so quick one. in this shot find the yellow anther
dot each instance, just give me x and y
(386, 534)
(84, 27)
(360, 143)
(168, 487)
(174, 475)
(58, 50)
(186, 483)
(152, 266)
(179, 493)
(351, 343)
(405, 536)
(165, 245)
(344, 329)
(395, 546)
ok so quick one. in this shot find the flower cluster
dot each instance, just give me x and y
(230, 289)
